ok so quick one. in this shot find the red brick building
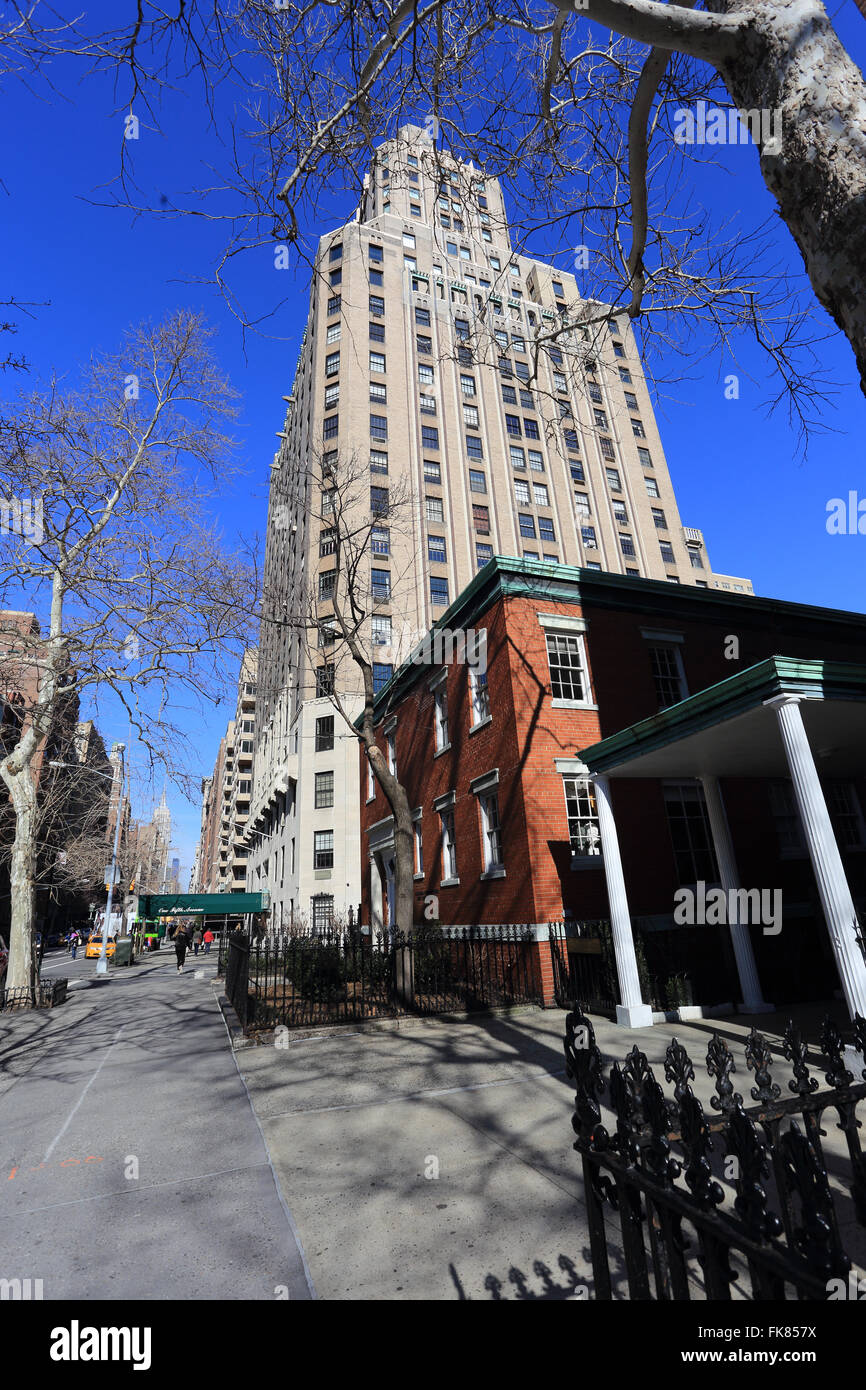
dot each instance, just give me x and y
(505, 771)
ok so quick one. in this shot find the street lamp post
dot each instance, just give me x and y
(102, 962)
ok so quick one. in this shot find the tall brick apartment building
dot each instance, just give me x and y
(631, 738)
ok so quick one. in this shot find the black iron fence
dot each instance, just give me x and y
(584, 965)
(349, 976)
(47, 994)
(754, 1215)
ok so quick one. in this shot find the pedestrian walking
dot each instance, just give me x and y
(181, 941)
(208, 941)
(73, 943)
(196, 940)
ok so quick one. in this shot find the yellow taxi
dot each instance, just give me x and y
(94, 946)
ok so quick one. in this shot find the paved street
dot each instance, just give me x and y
(133, 1165)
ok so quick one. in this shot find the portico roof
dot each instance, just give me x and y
(729, 730)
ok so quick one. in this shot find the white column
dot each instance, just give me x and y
(833, 887)
(753, 1001)
(632, 1012)
(377, 920)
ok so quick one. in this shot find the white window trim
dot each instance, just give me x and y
(564, 622)
(651, 634)
(485, 782)
(557, 702)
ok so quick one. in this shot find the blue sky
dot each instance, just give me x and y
(100, 269)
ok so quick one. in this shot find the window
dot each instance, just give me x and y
(518, 460)
(378, 392)
(323, 849)
(324, 794)
(470, 416)
(530, 429)
(567, 666)
(379, 501)
(335, 251)
(509, 395)
(521, 493)
(588, 537)
(382, 673)
(325, 680)
(659, 519)
(438, 591)
(424, 344)
(378, 461)
(530, 554)
(378, 427)
(451, 248)
(377, 332)
(558, 290)
(545, 529)
(419, 846)
(540, 495)
(473, 446)
(614, 481)
(694, 556)
(376, 278)
(427, 405)
(429, 437)
(512, 425)
(432, 471)
(637, 429)
(376, 253)
(477, 481)
(479, 692)
(440, 719)
(667, 551)
(620, 513)
(467, 385)
(631, 400)
(526, 523)
(436, 550)
(327, 635)
(481, 519)
(618, 350)
(571, 441)
(325, 734)
(491, 834)
(332, 364)
(625, 375)
(626, 545)
(333, 334)
(327, 585)
(449, 845)
(425, 374)
(328, 541)
(409, 239)
(652, 487)
(582, 814)
(377, 305)
(414, 209)
(330, 426)
(668, 675)
(607, 449)
(380, 540)
(336, 277)
(334, 305)
(581, 502)
(434, 509)
(377, 361)
(600, 419)
(380, 631)
(329, 501)
(483, 553)
(380, 584)
(690, 831)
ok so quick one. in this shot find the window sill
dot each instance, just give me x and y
(417, 878)
(488, 719)
(498, 872)
(449, 882)
(586, 861)
(446, 748)
(370, 800)
(572, 704)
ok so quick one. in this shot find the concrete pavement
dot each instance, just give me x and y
(132, 1163)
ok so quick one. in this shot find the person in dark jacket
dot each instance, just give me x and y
(181, 942)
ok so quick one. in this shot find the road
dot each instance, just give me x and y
(133, 1165)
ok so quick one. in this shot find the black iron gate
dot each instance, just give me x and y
(756, 1212)
(584, 967)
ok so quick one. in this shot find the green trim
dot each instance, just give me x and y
(506, 576)
(777, 675)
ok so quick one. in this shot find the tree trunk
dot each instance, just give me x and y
(790, 65)
(21, 972)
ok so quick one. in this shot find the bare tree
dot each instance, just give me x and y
(576, 105)
(107, 489)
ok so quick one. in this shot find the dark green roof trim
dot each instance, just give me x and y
(507, 576)
(778, 675)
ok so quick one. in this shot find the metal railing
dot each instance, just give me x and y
(352, 975)
(754, 1215)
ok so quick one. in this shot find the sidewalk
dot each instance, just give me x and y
(133, 1166)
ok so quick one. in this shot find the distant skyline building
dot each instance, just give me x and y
(438, 362)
